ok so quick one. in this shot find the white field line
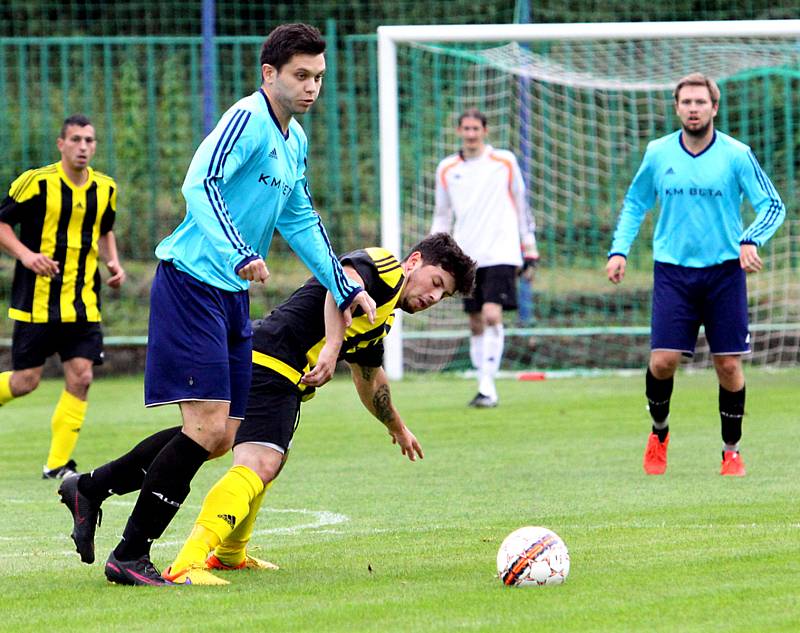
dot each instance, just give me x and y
(316, 520)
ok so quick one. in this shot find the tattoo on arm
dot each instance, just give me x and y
(382, 402)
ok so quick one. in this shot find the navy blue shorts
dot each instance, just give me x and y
(199, 343)
(493, 284)
(684, 298)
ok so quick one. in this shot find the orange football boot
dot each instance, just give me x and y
(732, 464)
(655, 455)
(250, 562)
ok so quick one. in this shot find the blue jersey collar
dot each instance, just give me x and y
(272, 114)
(708, 147)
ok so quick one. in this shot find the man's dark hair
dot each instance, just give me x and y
(288, 40)
(76, 119)
(472, 113)
(440, 249)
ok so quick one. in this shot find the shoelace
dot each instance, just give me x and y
(147, 566)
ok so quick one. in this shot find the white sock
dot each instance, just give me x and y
(476, 350)
(660, 426)
(493, 341)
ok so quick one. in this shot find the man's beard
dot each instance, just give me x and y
(404, 305)
(697, 132)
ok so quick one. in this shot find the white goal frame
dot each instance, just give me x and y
(390, 36)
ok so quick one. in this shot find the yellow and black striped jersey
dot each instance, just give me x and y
(289, 340)
(63, 221)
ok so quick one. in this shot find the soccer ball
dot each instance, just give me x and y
(532, 556)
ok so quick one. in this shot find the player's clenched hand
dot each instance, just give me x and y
(323, 370)
(749, 259)
(409, 445)
(365, 302)
(117, 274)
(40, 264)
(255, 271)
(615, 268)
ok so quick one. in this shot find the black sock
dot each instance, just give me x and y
(731, 411)
(165, 488)
(658, 394)
(125, 474)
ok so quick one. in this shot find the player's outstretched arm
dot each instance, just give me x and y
(372, 385)
(336, 324)
(323, 371)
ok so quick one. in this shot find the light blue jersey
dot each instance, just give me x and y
(700, 223)
(246, 180)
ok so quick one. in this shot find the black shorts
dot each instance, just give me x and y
(494, 284)
(34, 343)
(273, 411)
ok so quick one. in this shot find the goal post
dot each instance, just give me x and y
(464, 41)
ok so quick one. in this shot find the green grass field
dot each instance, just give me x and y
(368, 541)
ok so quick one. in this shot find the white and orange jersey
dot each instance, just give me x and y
(486, 194)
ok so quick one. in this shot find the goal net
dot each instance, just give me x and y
(578, 114)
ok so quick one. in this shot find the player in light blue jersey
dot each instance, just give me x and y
(702, 251)
(247, 178)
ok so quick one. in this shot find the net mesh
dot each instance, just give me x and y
(579, 116)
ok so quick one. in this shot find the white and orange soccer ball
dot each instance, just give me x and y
(532, 556)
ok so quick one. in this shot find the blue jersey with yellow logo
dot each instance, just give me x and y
(247, 179)
(700, 196)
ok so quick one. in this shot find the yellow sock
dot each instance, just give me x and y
(65, 425)
(231, 550)
(226, 505)
(5, 387)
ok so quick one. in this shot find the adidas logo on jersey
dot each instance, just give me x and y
(670, 172)
(273, 153)
(228, 518)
